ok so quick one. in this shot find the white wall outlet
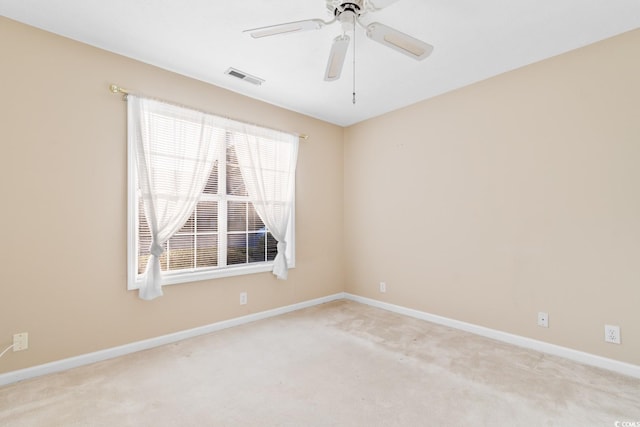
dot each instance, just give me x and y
(21, 341)
(383, 287)
(612, 334)
(243, 298)
(543, 319)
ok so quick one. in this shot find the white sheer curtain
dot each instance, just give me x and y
(175, 149)
(267, 160)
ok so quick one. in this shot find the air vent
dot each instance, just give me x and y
(244, 76)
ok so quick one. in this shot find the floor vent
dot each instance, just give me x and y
(244, 76)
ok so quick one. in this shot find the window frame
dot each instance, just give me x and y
(134, 280)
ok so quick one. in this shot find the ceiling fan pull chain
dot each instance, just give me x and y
(354, 60)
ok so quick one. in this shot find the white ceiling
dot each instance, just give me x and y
(473, 40)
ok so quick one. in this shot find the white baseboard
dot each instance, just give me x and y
(110, 353)
(556, 350)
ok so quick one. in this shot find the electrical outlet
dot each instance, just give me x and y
(21, 341)
(243, 298)
(383, 287)
(612, 334)
(543, 319)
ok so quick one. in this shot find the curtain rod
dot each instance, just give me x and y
(117, 89)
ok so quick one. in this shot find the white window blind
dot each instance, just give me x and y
(223, 234)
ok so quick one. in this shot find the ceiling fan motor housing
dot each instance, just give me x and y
(340, 6)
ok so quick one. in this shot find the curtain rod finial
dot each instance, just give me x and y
(116, 89)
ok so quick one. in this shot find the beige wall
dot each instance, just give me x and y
(63, 215)
(515, 195)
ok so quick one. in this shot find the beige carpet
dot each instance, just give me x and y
(338, 364)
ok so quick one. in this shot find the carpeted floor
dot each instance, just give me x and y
(338, 364)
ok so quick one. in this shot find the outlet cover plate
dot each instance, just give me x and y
(21, 341)
(543, 319)
(612, 334)
(243, 298)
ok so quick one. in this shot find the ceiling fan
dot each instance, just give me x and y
(348, 13)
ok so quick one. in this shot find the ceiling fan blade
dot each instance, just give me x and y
(289, 27)
(397, 40)
(381, 4)
(336, 58)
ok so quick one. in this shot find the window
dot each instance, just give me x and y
(224, 234)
